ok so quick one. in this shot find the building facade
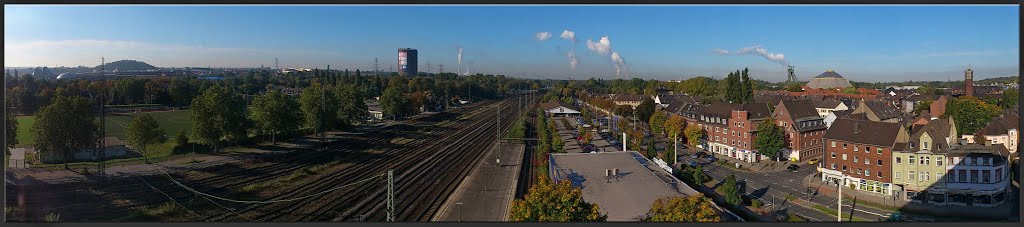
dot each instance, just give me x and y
(730, 129)
(858, 154)
(407, 61)
(803, 128)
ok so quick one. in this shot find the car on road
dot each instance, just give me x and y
(813, 161)
(792, 167)
(712, 159)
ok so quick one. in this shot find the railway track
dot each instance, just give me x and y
(219, 178)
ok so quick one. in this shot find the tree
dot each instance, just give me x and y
(557, 144)
(746, 87)
(181, 139)
(352, 106)
(731, 191)
(218, 114)
(623, 111)
(645, 110)
(64, 126)
(850, 90)
(922, 106)
(319, 108)
(683, 209)
(770, 139)
(11, 127)
(693, 134)
(979, 137)
(392, 102)
(274, 112)
(657, 122)
(970, 113)
(548, 202)
(651, 153)
(144, 131)
(1009, 98)
(698, 175)
(674, 125)
(794, 87)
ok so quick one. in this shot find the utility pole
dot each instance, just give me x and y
(839, 211)
(497, 133)
(103, 122)
(376, 67)
(675, 151)
(391, 196)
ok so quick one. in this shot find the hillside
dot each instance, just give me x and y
(125, 65)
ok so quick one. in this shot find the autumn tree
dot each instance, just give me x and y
(144, 131)
(970, 114)
(693, 208)
(64, 126)
(554, 202)
(657, 122)
(674, 125)
(770, 139)
(693, 134)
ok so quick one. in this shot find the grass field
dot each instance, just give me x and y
(170, 122)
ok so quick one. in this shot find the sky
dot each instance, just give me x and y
(862, 43)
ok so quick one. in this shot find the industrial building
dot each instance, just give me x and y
(407, 61)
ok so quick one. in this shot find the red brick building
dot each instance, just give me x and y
(803, 127)
(729, 129)
(860, 152)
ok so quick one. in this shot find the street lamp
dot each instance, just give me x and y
(460, 211)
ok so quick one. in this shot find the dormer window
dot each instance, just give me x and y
(924, 145)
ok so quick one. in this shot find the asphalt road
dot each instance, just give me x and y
(765, 186)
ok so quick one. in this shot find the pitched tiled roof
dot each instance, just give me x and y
(554, 103)
(864, 132)
(825, 103)
(805, 118)
(883, 109)
(624, 97)
(1002, 124)
(938, 130)
(676, 107)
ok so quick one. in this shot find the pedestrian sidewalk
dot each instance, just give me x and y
(763, 166)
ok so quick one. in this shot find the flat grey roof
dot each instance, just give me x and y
(626, 198)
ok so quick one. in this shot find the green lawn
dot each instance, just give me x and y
(170, 122)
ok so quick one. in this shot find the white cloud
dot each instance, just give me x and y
(86, 52)
(569, 35)
(543, 36)
(602, 46)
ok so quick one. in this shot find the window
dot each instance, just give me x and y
(926, 176)
(951, 176)
(716, 129)
(999, 174)
(938, 176)
(867, 149)
(967, 160)
(833, 154)
(879, 150)
(867, 172)
(974, 176)
(963, 175)
(867, 161)
(985, 176)
(855, 160)
(716, 139)
(879, 174)
(833, 166)
(860, 171)
(926, 161)
(949, 161)
(938, 161)
(854, 147)
(897, 176)
(879, 162)
(911, 160)
(844, 157)
(910, 175)
(844, 168)
(744, 135)
(898, 160)
(844, 146)
(989, 163)
(833, 143)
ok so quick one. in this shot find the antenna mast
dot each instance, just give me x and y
(376, 67)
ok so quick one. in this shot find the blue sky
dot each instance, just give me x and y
(863, 43)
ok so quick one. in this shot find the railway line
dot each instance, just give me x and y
(96, 205)
(91, 196)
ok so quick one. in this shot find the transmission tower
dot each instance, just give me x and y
(277, 65)
(441, 70)
(791, 78)
(102, 167)
(376, 67)
(429, 67)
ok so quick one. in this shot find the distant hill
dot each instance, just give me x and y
(125, 65)
(1002, 80)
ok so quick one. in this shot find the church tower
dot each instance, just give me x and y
(969, 82)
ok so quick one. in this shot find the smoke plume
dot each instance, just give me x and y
(572, 61)
(758, 50)
(541, 36)
(602, 46)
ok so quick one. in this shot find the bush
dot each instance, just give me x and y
(756, 203)
(181, 139)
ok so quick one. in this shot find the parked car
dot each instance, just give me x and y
(813, 161)
(694, 156)
(712, 159)
(792, 167)
(693, 164)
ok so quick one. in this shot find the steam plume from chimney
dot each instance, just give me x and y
(758, 50)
